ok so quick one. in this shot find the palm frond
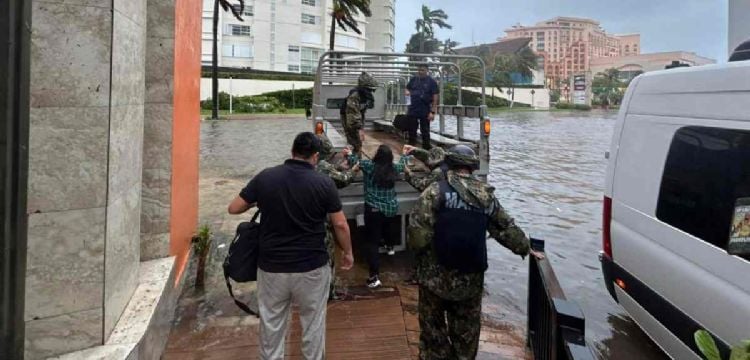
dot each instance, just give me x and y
(442, 24)
(352, 24)
(227, 6)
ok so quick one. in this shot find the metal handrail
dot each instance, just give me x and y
(556, 326)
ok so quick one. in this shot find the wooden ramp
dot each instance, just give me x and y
(371, 328)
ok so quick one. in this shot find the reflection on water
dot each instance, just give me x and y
(548, 169)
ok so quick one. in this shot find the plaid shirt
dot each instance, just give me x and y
(382, 199)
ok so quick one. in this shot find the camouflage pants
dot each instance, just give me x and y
(456, 339)
(352, 137)
(331, 247)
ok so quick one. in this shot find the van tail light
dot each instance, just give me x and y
(319, 128)
(486, 127)
(606, 221)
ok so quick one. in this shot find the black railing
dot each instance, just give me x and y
(556, 326)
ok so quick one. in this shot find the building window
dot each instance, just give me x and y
(238, 51)
(238, 30)
(308, 19)
(293, 68)
(309, 59)
(248, 9)
(705, 173)
(308, 2)
(294, 54)
(347, 41)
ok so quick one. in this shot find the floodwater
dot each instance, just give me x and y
(548, 169)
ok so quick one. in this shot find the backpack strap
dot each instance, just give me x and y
(240, 304)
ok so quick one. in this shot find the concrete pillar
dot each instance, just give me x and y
(84, 198)
(739, 27)
(157, 142)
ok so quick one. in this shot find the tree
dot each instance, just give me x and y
(508, 67)
(418, 44)
(343, 15)
(426, 25)
(227, 6)
(449, 46)
(607, 87)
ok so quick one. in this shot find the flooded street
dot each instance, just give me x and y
(548, 168)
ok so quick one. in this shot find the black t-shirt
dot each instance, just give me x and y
(294, 201)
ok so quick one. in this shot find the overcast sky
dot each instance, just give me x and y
(665, 25)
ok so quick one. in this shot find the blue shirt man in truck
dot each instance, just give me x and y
(423, 91)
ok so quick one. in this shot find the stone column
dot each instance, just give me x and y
(157, 142)
(84, 198)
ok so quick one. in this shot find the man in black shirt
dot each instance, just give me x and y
(294, 201)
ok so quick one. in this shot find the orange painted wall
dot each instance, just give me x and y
(186, 128)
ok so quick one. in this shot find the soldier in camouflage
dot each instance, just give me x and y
(353, 115)
(342, 179)
(458, 210)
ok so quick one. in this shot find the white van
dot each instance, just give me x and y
(677, 190)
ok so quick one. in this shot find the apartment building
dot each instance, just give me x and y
(290, 35)
(568, 44)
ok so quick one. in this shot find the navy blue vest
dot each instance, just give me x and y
(460, 239)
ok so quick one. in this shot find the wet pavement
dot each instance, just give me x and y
(548, 168)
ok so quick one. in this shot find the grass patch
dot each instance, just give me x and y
(225, 113)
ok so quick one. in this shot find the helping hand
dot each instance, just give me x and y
(408, 149)
(347, 261)
(346, 151)
(537, 255)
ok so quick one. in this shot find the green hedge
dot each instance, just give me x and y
(242, 73)
(302, 97)
(569, 106)
(247, 104)
(470, 98)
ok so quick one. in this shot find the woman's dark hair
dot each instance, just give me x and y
(384, 174)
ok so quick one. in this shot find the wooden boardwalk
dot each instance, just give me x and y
(367, 325)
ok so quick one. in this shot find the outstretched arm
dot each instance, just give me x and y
(503, 229)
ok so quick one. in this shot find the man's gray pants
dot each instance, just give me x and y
(276, 293)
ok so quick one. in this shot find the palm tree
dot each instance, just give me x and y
(607, 87)
(521, 63)
(449, 46)
(430, 19)
(227, 6)
(343, 14)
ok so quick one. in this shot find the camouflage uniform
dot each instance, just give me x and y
(354, 114)
(341, 179)
(433, 159)
(448, 292)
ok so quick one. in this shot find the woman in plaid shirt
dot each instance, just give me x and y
(381, 205)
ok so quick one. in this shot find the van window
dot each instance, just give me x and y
(706, 171)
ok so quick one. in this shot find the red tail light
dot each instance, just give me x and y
(606, 221)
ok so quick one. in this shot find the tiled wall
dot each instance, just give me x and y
(157, 144)
(84, 198)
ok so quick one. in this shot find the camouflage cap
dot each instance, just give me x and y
(462, 155)
(366, 80)
(326, 147)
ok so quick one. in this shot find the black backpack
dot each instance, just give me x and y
(241, 263)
